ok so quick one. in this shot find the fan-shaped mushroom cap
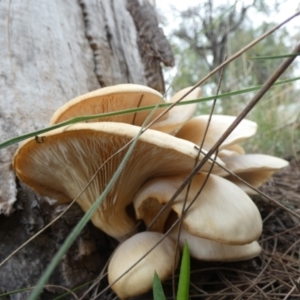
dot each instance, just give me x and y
(110, 99)
(178, 115)
(222, 212)
(194, 130)
(253, 168)
(65, 162)
(208, 250)
(139, 280)
(255, 179)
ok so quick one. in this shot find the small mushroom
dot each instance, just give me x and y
(139, 279)
(195, 128)
(110, 99)
(126, 96)
(208, 250)
(222, 212)
(255, 169)
(178, 115)
(64, 163)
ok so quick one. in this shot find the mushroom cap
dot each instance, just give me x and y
(178, 115)
(208, 250)
(110, 99)
(139, 280)
(255, 179)
(253, 168)
(222, 212)
(69, 157)
(252, 163)
(194, 130)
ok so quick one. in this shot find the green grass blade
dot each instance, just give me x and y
(158, 292)
(134, 110)
(76, 231)
(14, 292)
(87, 216)
(184, 277)
(273, 56)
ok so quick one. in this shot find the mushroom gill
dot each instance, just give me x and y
(63, 165)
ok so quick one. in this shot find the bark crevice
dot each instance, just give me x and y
(152, 43)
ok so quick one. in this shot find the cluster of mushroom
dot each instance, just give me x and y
(222, 224)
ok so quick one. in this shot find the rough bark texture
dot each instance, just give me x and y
(51, 52)
(152, 44)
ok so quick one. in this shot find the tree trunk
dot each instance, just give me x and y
(51, 52)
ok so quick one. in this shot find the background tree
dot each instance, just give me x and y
(201, 37)
(51, 53)
(209, 31)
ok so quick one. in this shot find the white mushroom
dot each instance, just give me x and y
(255, 169)
(194, 130)
(139, 279)
(110, 99)
(125, 96)
(178, 115)
(222, 212)
(209, 250)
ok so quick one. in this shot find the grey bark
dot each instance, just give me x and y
(153, 47)
(51, 52)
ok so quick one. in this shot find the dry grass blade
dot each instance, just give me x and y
(184, 209)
